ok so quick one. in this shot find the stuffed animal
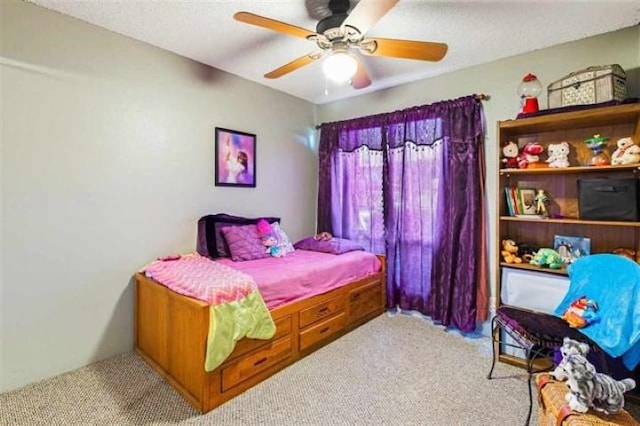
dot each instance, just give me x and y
(527, 251)
(269, 239)
(630, 254)
(323, 236)
(569, 347)
(510, 152)
(590, 389)
(581, 313)
(272, 247)
(510, 252)
(627, 153)
(531, 155)
(558, 155)
(547, 257)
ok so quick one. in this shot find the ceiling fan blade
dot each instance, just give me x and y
(293, 65)
(361, 79)
(272, 24)
(408, 49)
(367, 13)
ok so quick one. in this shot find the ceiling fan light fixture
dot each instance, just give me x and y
(340, 67)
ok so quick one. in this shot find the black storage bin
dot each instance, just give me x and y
(608, 199)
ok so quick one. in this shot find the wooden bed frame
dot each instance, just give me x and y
(171, 336)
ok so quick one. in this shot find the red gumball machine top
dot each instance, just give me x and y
(529, 89)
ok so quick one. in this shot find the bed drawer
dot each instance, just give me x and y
(364, 301)
(320, 311)
(322, 331)
(253, 364)
(283, 328)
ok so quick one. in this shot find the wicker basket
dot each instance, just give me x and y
(593, 85)
(554, 411)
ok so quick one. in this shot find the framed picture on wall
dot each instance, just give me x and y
(235, 158)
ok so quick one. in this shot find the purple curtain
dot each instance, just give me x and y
(460, 256)
(406, 184)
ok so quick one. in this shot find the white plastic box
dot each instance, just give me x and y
(536, 291)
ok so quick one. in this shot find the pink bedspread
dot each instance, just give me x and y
(303, 273)
(198, 277)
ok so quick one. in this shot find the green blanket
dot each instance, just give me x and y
(231, 321)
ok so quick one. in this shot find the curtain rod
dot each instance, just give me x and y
(477, 96)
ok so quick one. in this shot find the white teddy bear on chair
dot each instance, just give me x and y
(558, 155)
(627, 152)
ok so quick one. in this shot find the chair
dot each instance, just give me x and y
(540, 335)
(614, 283)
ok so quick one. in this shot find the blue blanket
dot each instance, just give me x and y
(613, 282)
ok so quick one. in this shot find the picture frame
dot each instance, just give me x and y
(235, 158)
(571, 247)
(527, 201)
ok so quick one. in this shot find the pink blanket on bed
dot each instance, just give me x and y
(198, 277)
(303, 273)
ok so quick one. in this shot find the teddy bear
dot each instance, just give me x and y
(627, 152)
(558, 155)
(630, 254)
(510, 252)
(510, 153)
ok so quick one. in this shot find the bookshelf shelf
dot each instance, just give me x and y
(571, 221)
(560, 185)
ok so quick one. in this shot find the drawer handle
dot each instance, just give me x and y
(324, 330)
(356, 296)
(323, 310)
(260, 361)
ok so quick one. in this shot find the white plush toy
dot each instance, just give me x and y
(627, 152)
(558, 155)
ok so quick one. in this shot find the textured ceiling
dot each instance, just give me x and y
(475, 31)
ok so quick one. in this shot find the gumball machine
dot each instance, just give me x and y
(529, 89)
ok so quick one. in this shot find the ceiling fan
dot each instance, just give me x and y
(341, 33)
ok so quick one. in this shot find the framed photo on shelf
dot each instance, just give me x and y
(527, 200)
(235, 158)
(571, 248)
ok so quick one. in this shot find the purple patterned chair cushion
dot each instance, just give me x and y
(539, 328)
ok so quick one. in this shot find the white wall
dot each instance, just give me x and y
(107, 147)
(107, 163)
(500, 80)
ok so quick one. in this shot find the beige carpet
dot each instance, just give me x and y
(392, 371)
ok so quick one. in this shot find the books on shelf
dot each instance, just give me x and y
(571, 248)
(521, 201)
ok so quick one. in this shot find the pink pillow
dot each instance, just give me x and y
(244, 242)
(283, 239)
(334, 245)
